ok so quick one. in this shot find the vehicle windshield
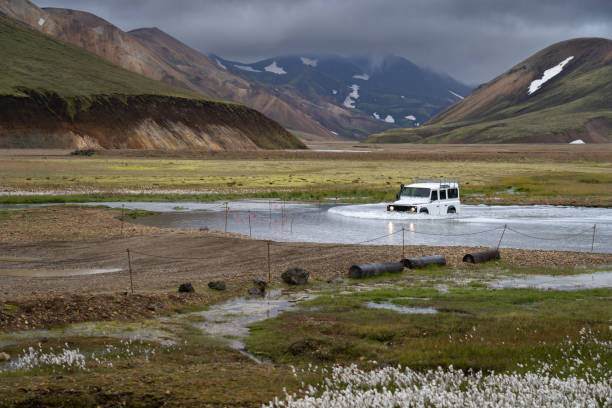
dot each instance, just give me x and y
(415, 192)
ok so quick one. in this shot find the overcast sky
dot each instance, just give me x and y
(471, 40)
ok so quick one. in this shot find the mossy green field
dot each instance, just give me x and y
(176, 179)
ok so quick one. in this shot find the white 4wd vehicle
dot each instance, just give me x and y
(433, 197)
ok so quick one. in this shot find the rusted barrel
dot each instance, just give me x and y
(483, 256)
(374, 269)
(422, 262)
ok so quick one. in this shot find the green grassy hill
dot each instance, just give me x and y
(574, 104)
(32, 61)
(54, 94)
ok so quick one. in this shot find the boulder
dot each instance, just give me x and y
(259, 289)
(295, 276)
(186, 288)
(217, 285)
(4, 356)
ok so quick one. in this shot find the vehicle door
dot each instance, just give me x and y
(434, 207)
(443, 209)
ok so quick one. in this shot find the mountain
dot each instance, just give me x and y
(178, 64)
(313, 116)
(310, 108)
(391, 90)
(55, 94)
(559, 94)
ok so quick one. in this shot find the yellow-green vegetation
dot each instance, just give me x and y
(475, 327)
(103, 178)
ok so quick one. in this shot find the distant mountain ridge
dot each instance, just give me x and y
(561, 93)
(391, 90)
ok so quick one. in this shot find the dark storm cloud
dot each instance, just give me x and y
(472, 40)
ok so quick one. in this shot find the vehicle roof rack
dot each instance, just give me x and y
(444, 181)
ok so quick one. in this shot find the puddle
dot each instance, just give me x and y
(401, 309)
(570, 282)
(132, 331)
(231, 319)
(50, 273)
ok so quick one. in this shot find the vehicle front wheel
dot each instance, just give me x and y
(424, 211)
(451, 210)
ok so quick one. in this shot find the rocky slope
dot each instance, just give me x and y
(70, 98)
(560, 94)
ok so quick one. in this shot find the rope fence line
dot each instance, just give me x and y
(551, 239)
(286, 219)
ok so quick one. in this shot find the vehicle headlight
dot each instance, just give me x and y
(413, 209)
(391, 208)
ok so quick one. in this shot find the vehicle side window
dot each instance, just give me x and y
(442, 194)
(434, 195)
(453, 193)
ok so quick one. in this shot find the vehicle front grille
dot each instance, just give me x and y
(401, 208)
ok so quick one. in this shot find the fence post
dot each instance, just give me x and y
(270, 211)
(283, 211)
(269, 268)
(250, 224)
(122, 218)
(593, 240)
(502, 235)
(403, 256)
(226, 214)
(130, 269)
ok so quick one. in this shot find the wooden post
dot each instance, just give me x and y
(130, 269)
(269, 267)
(502, 235)
(593, 240)
(122, 218)
(403, 256)
(250, 224)
(226, 214)
(283, 211)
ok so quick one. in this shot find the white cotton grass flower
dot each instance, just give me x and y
(569, 382)
(393, 387)
(67, 359)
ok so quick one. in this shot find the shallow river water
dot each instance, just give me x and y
(528, 227)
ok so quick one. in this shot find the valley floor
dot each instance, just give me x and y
(78, 359)
(523, 174)
(76, 335)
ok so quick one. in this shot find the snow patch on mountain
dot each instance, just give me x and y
(334, 91)
(389, 119)
(219, 63)
(365, 77)
(548, 74)
(41, 21)
(577, 141)
(311, 62)
(410, 117)
(456, 94)
(275, 69)
(350, 100)
(376, 115)
(247, 68)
